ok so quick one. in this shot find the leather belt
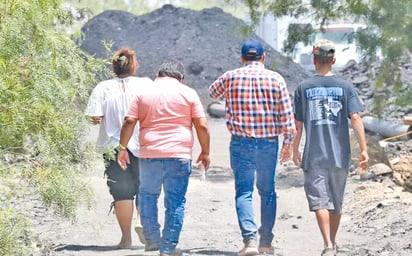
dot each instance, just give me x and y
(253, 138)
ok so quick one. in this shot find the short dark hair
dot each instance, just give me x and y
(124, 62)
(171, 68)
(323, 59)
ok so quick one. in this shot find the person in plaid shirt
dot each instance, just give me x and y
(258, 110)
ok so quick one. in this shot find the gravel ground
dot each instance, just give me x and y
(376, 218)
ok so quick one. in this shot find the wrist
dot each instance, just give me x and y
(121, 147)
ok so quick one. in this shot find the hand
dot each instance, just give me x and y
(204, 160)
(297, 158)
(96, 119)
(364, 159)
(285, 153)
(123, 159)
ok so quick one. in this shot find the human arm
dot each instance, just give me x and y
(125, 135)
(285, 120)
(289, 133)
(94, 111)
(297, 159)
(359, 131)
(285, 153)
(203, 136)
(217, 88)
(288, 139)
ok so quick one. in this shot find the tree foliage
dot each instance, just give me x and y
(139, 7)
(389, 20)
(44, 78)
(95, 7)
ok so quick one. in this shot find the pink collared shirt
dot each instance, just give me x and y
(165, 111)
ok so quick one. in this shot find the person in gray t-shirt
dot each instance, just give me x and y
(322, 106)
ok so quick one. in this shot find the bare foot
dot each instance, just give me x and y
(139, 231)
(124, 244)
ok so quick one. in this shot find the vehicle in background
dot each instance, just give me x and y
(343, 35)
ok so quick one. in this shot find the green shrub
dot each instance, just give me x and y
(45, 80)
(13, 233)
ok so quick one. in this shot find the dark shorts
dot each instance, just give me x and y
(325, 188)
(123, 185)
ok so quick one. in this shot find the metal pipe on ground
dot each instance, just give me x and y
(387, 129)
(216, 109)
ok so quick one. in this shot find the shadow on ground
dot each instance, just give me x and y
(93, 248)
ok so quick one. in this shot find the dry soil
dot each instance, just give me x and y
(376, 218)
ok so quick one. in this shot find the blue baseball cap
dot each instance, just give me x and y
(252, 49)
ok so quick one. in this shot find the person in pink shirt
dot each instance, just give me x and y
(166, 112)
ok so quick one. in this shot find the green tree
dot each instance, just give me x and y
(94, 7)
(392, 30)
(139, 7)
(44, 78)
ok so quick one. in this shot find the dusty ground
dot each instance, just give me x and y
(376, 220)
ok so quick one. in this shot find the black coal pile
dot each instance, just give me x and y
(388, 117)
(363, 77)
(207, 42)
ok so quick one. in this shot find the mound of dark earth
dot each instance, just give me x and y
(207, 42)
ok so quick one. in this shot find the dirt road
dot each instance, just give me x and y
(210, 225)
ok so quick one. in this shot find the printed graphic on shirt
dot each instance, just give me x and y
(324, 104)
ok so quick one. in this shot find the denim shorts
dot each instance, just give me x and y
(325, 188)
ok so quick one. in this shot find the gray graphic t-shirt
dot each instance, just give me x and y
(323, 104)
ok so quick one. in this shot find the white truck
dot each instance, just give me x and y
(275, 31)
(343, 37)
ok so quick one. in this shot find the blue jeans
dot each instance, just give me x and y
(248, 157)
(173, 174)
